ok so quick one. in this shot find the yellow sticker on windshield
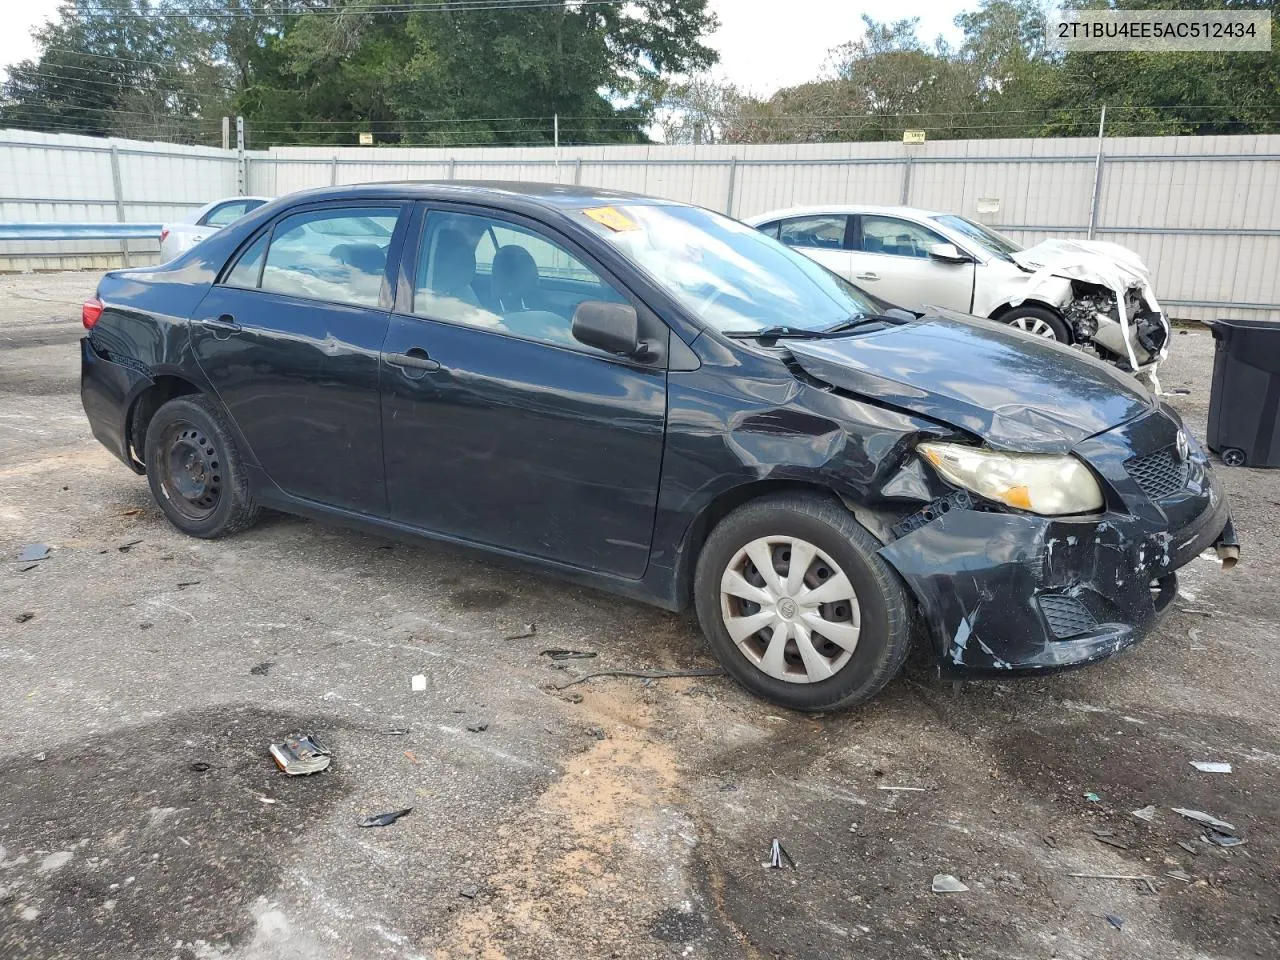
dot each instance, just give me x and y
(611, 217)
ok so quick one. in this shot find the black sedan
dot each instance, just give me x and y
(659, 401)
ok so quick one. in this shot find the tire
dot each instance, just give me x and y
(1035, 320)
(880, 605)
(194, 470)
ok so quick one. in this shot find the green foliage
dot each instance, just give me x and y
(333, 68)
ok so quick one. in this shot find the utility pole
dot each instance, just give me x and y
(1097, 176)
(241, 173)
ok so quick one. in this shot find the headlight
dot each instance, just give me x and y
(1048, 484)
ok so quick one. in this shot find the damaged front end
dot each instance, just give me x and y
(1110, 304)
(1005, 590)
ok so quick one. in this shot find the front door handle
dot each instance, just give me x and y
(868, 276)
(412, 360)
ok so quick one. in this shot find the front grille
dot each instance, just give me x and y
(1067, 616)
(1160, 474)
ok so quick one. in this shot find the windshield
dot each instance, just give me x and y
(993, 242)
(730, 276)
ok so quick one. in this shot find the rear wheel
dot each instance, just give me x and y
(798, 606)
(195, 471)
(1038, 322)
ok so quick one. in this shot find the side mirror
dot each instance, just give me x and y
(608, 326)
(948, 253)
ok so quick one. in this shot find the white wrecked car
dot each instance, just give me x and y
(1075, 291)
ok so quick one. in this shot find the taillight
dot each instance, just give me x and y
(164, 234)
(90, 312)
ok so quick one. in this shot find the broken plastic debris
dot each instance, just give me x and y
(1147, 813)
(33, 552)
(24, 617)
(480, 727)
(1199, 816)
(568, 654)
(1190, 848)
(1092, 797)
(778, 856)
(529, 631)
(1219, 839)
(1110, 840)
(300, 754)
(384, 819)
(1117, 922)
(419, 683)
(903, 789)
(946, 883)
(1180, 875)
(470, 891)
(395, 732)
(1211, 766)
(126, 547)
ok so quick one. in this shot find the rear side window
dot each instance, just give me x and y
(335, 255)
(249, 267)
(769, 229)
(825, 232)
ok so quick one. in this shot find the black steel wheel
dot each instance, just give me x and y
(194, 469)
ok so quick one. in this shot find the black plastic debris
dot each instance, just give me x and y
(24, 617)
(126, 547)
(598, 733)
(183, 584)
(261, 669)
(568, 654)
(395, 732)
(1220, 839)
(1117, 922)
(529, 631)
(477, 727)
(385, 819)
(200, 766)
(1189, 847)
(470, 891)
(778, 856)
(34, 553)
(301, 754)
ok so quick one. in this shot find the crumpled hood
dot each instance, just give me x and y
(1076, 258)
(1015, 391)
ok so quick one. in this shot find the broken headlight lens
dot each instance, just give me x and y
(1048, 484)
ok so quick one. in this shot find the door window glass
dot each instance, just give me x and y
(226, 213)
(249, 267)
(496, 275)
(338, 255)
(769, 229)
(900, 238)
(825, 232)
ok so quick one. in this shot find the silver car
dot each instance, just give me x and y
(178, 238)
(1074, 291)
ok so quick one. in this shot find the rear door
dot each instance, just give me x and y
(499, 427)
(824, 237)
(891, 260)
(290, 338)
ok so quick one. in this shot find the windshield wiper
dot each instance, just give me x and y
(841, 328)
(775, 333)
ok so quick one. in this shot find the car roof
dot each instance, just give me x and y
(843, 208)
(549, 195)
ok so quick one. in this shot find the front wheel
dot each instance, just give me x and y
(195, 471)
(1038, 322)
(797, 605)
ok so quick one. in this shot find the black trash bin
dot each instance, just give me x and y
(1244, 402)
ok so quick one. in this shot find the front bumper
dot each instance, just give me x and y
(1016, 592)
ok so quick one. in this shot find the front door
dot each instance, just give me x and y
(891, 260)
(290, 339)
(499, 427)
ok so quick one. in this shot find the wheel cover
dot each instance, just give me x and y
(1036, 326)
(790, 609)
(190, 470)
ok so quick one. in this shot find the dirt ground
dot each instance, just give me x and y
(142, 675)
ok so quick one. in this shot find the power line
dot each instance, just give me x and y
(409, 6)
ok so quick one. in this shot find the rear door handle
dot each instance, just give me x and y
(868, 276)
(224, 325)
(414, 359)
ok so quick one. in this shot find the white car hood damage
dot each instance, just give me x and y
(1110, 265)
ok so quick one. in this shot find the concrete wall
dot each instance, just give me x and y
(1204, 212)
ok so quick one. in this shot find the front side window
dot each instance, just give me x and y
(493, 274)
(726, 274)
(995, 243)
(824, 232)
(898, 238)
(338, 255)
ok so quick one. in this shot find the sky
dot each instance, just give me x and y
(763, 44)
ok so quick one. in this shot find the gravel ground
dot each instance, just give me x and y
(142, 675)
